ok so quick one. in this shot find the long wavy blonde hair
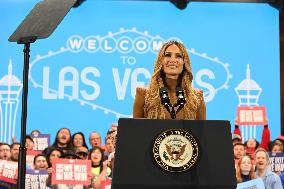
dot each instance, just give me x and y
(153, 108)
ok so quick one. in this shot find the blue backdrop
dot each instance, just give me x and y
(84, 75)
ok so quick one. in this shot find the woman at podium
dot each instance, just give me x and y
(170, 94)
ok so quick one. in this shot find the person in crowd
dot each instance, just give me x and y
(103, 175)
(96, 157)
(15, 152)
(5, 151)
(111, 160)
(78, 140)
(172, 71)
(82, 152)
(279, 142)
(62, 141)
(109, 146)
(239, 151)
(271, 180)
(29, 142)
(251, 146)
(276, 148)
(282, 178)
(35, 133)
(54, 153)
(245, 169)
(40, 162)
(111, 134)
(5, 154)
(95, 139)
(236, 138)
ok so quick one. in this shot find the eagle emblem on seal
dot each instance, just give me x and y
(175, 152)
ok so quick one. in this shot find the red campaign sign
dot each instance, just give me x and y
(71, 171)
(30, 158)
(106, 184)
(8, 171)
(251, 115)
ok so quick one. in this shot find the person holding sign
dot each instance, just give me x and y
(170, 93)
(54, 153)
(40, 162)
(279, 142)
(271, 180)
(245, 169)
(275, 148)
(98, 166)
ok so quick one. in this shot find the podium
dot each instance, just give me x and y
(136, 168)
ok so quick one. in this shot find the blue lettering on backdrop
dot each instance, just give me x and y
(84, 76)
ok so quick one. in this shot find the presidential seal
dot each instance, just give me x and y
(175, 150)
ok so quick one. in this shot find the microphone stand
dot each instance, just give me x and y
(38, 24)
(173, 113)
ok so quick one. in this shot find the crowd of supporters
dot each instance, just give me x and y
(251, 157)
(70, 147)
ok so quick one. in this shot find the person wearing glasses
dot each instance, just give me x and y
(82, 152)
(5, 151)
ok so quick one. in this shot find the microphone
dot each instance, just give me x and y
(165, 101)
(181, 100)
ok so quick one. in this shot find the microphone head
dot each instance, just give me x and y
(179, 92)
(180, 95)
(164, 96)
(165, 101)
(163, 92)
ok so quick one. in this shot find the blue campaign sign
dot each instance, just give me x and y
(276, 161)
(255, 183)
(41, 141)
(84, 75)
(36, 179)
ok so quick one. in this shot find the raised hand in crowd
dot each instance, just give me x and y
(14, 140)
